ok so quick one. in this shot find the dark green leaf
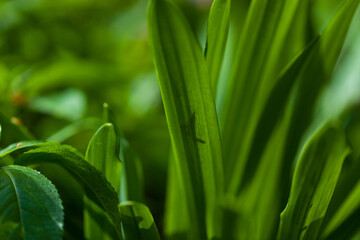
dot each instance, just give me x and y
(95, 184)
(138, 222)
(30, 207)
(314, 181)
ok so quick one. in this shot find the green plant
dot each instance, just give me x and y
(31, 207)
(252, 156)
(236, 187)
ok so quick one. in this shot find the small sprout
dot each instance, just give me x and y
(15, 121)
(19, 144)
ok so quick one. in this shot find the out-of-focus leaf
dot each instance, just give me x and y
(347, 208)
(138, 222)
(30, 205)
(101, 154)
(95, 184)
(74, 129)
(190, 110)
(314, 181)
(217, 35)
(69, 104)
(21, 147)
(13, 130)
(344, 204)
(313, 80)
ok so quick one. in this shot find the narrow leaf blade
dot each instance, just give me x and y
(190, 112)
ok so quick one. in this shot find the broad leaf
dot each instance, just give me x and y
(138, 222)
(69, 104)
(95, 184)
(30, 207)
(102, 154)
(190, 111)
(314, 181)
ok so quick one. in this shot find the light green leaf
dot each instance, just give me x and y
(190, 112)
(138, 222)
(102, 154)
(69, 104)
(313, 184)
(74, 129)
(30, 207)
(217, 35)
(95, 184)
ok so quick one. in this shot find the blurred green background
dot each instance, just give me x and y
(61, 60)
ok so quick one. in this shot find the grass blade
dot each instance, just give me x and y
(217, 34)
(314, 181)
(190, 112)
(101, 154)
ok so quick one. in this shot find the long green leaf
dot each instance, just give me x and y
(102, 154)
(314, 181)
(190, 111)
(138, 222)
(217, 35)
(30, 207)
(95, 184)
(258, 218)
(257, 64)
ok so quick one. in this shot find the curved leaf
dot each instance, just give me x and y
(95, 184)
(138, 222)
(30, 207)
(101, 154)
(314, 182)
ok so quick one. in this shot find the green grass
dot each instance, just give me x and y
(254, 155)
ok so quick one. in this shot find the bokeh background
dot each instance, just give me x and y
(61, 60)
